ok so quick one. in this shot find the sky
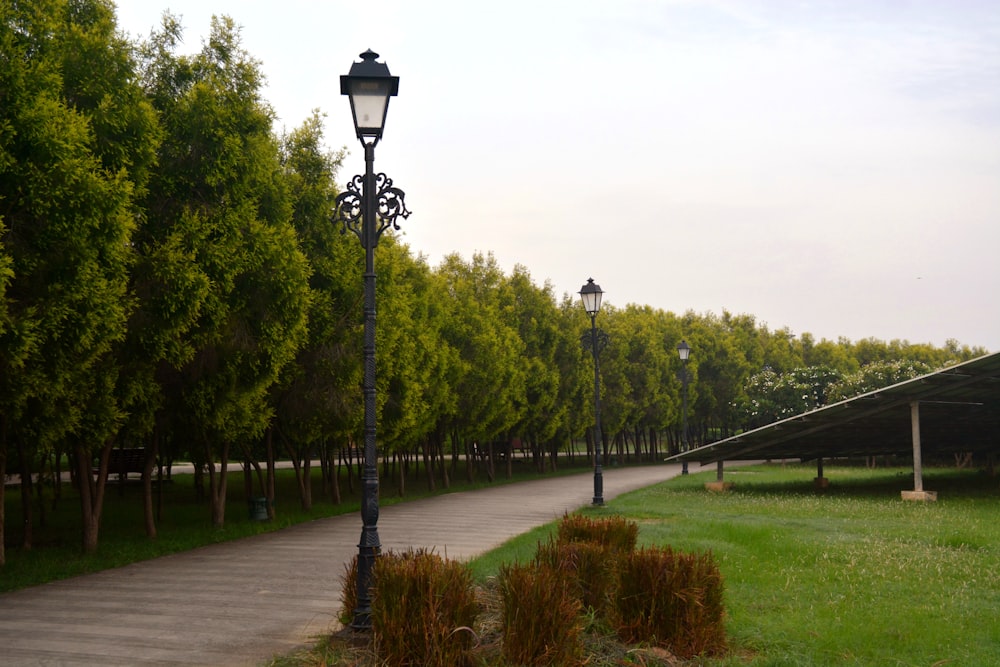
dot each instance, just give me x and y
(829, 167)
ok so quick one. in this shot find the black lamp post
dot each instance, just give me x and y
(591, 294)
(368, 207)
(684, 351)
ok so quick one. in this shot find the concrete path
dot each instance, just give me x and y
(242, 602)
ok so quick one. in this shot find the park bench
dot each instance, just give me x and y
(125, 460)
(517, 446)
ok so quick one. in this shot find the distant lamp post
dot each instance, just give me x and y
(368, 207)
(591, 294)
(684, 351)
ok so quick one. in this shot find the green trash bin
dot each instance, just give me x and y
(258, 509)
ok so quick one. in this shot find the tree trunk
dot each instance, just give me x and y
(91, 493)
(335, 481)
(302, 465)
(305, 487)
(147, 489)
(349, 462)
(57, 489)
(439, 443)
(3, 487)
(27, 517)
(40, 491)
(217, 480)
(491, 472)
(470, 470)
(271, 475)
(428, 463)
(402, 476)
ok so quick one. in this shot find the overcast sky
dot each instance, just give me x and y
(832, 167)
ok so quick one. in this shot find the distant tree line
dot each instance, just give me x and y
(171, 279)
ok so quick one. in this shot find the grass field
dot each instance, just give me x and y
(851, 575)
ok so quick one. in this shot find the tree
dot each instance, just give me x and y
(491, 378)
(531, 310)
(771, 396)
(76, 141)
(876, 375)
(313, 402)
(220, 199)
(652, 367)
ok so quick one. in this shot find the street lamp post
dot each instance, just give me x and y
(684, 351)
(368, 207)
(591, 294)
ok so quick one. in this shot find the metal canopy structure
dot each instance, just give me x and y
(956, 409)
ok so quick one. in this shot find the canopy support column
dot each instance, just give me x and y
(918, 492)
(820, 482)
(718, 484)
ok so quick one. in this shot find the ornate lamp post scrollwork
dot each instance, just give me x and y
(369, 206)
(591, 294)
(390, 205)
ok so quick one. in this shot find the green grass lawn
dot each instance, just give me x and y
(851, 575)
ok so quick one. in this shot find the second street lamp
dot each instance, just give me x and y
(684, 351)
(591, 294)
(368, 207)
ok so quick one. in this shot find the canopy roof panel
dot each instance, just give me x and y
(959, 412)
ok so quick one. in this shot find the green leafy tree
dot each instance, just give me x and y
(771, 396)
(532, 311)
(827, 353)
(220, 198)
(718, 369)
(76, 144)
(490, 377)
(654, 401)
(876, 375)
(616, 387)
(315, 401)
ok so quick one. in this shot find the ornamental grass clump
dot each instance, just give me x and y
(672, 599)
(423, 610)
(615, 533)
(348, 592)
(591, 568)
(541, 620)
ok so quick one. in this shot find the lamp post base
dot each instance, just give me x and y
(598, 487)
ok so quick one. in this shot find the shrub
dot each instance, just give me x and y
(592, 570)
(615, 533)
(348, 592)
(541, 620)
(672, 599)
(423, 610)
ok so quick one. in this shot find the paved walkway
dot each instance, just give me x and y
(242, 602)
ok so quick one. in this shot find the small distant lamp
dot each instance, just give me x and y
(684, 351)
(591, 294)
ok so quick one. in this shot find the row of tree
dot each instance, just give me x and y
(170, 279)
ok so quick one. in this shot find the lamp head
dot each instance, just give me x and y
(590, 294)
(369, 86)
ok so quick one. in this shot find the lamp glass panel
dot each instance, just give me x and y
(369, 98)
(591, 301)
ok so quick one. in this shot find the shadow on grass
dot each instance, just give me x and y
(862, 482)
